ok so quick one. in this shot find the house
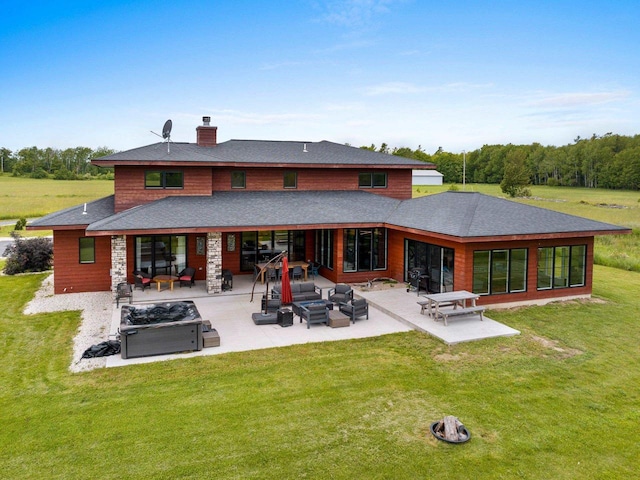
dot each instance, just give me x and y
(229, 205)
(427, 177)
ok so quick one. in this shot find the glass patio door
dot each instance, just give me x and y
(161, 254)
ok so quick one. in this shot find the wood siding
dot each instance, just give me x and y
(71, 276)
(129, 185)
(272, 179)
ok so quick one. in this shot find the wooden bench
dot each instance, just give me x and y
(459, 312)
(424, 304)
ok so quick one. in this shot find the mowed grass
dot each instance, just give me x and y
(559, 401)
(31, 198)
(619, 207)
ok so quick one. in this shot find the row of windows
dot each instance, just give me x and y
(505, 271)
(155, 179)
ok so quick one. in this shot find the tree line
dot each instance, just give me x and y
(607, 161)
(67, 164)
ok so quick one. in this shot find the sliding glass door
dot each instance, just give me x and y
(161, 254)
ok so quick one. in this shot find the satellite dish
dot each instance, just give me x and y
(166, 130)
(166, 133)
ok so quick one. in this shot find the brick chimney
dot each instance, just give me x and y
(206, 134)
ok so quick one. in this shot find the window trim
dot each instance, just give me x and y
(91, 247)
(163, 180)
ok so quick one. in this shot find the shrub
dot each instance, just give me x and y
(32, 255)
(453, 187)
(20, 224)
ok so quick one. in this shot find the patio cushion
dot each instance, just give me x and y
(307, 287)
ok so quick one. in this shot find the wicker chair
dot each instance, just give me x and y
(187, 276)
(142, 279)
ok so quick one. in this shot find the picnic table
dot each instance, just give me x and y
(432, 303)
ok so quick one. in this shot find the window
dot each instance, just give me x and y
(372, 180)
(499, 271)
(434, 262)
(87, 250)
(365, 249)
(161, 179)
(161, 254)
(262, 246)
(290, 180)
(238, 179)
(561, 267)
(324, 248)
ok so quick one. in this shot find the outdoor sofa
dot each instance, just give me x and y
(300, 291)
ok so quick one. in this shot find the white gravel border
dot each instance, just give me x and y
(97, 311)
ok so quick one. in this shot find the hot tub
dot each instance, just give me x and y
(160, 328)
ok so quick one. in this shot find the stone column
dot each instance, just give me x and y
(118, 261)
(214, 262)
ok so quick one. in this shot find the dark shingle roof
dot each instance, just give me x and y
(472, 214)
(456, 214)
(262, 152)
(73, 216)
(253, 209)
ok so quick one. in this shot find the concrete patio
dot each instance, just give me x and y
(391, 310)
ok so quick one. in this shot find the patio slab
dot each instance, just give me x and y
(230, 314)
(402, 305)
(391, 310)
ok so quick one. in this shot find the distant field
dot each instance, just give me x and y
(30, 198)
(620, 207)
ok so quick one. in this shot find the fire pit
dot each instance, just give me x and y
(450, 430)
(158, 329)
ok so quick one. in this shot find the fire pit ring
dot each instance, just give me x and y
(450, 430)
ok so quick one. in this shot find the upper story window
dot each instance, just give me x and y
(372, 180)
(163, 179)
(238, 179)
(290, 180)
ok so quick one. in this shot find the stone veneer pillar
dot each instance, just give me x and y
(214, 262)
(118, 261)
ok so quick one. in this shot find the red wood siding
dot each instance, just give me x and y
(272, 179)
(71, 276)
(130, 191)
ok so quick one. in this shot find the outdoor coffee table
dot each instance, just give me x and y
(338, 319)
(160, 279)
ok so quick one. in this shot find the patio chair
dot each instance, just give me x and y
(341, 293)
(355, 308)
(123, 290)
(314, 269)
(296, 272)
(187, 276)
(227, 280)
(142, 279)
(270, 305)
(272, 274)
(314, 313)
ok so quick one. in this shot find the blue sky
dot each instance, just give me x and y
(411, 73)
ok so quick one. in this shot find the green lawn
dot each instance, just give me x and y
(30, 198)
(559, 401)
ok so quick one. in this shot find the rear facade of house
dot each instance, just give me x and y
(230, 205)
